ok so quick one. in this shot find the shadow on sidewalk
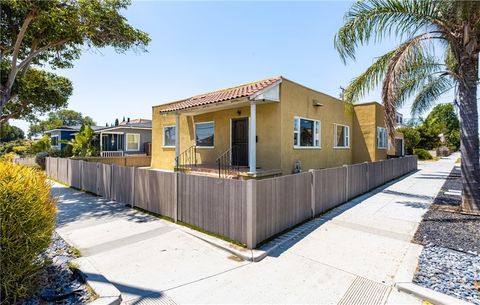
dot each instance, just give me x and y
(310, 226)
(75, 205)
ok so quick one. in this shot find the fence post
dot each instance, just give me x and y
(367, 179)
(110, 191)
(175, 206)
(56, 159)
(312, 192)
(132, 196)
(346, 183)
(97, 187)
(251, 213)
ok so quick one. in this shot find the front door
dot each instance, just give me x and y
(240, 142)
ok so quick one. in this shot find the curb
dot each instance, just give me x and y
(243, 253)
(255, 255)
(430, 295)
(107, 293)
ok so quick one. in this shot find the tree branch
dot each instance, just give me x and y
(13, 72)
(5, 117)
(24, 64)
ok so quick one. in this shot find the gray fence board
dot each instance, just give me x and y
(205, 201)
(282, 202)
(122, 183)
(62, 170)
(357, 182)
(89, 176)
(330, 188)
(75, 173)
(53, 166)
(104, 180)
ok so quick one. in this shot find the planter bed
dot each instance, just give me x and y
(57, 282)
(450, 261)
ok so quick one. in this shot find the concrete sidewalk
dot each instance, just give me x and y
(352, 254)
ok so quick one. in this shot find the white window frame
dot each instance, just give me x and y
(315, 127)
(200, 123)
(175, 140)
(346, 135)
(384, 131)
(137, 135)
(58, 141)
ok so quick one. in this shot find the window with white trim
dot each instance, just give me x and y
(54, 141)
(205, 134)
(169, 136)
(381, 137)
(306, 132)
(341, 136)
(133, 141)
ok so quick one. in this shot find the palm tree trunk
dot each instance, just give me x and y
(469, 135)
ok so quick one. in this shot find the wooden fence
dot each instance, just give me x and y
(247, 211)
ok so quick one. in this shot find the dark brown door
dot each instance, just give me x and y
(240, 142)
(398, 147)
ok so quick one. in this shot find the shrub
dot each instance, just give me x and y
(40, 159)
(42, 144)
(27, 222)
(8, 157)
(422, 154)
(443, 151)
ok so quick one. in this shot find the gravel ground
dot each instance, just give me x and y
(450, 272)
(450, 261)
(446, 228)
(58, 284)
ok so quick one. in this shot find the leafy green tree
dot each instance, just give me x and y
(64, 117)
(83, 144)
(415, 69)
(34, 93)
(10, 133)
(411, 137)
(443, 120)
(54, 33)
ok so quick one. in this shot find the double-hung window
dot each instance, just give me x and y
(381, 137)
(306, 133)
(205, 134)
(133, 142)
(169, 136)
(341, 136)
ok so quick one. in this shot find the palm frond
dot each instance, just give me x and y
(411, 61)
(371, 78)
(431, 92)
(375, 19)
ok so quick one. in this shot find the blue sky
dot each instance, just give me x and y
(202, 46)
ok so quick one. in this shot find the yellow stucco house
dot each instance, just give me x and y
(269, 127)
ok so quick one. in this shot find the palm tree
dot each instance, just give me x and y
(439, 51)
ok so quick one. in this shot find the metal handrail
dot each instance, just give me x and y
(187, 158)
(225, 162)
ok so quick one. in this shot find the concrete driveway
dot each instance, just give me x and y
(353, 254)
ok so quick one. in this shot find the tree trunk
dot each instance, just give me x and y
(469, 135)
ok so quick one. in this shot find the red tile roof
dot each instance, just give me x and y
(221, 95)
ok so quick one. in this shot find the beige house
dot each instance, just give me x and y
(269, 127)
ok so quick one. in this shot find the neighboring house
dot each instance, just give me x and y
(372, 139)
(64, 133)
(270, 127)
(128, 138)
